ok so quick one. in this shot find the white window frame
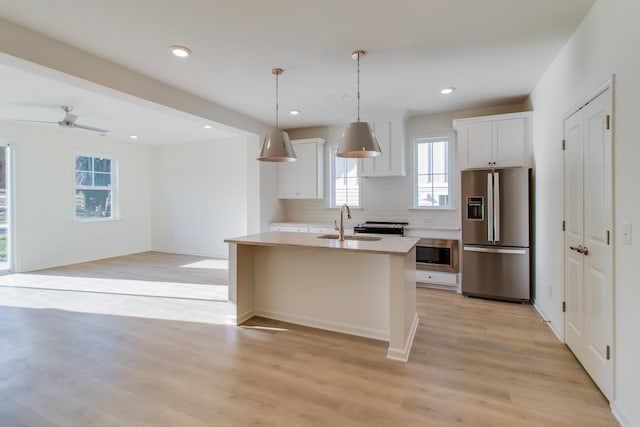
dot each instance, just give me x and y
(332, 149)
(450, 165)
(113, 188)
(9, 192)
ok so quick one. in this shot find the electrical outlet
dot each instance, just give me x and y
(626, 233)
(550, 292)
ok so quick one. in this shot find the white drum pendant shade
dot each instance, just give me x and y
(358, 141)
(277, 147)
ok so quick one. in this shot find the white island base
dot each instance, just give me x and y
(358, 288)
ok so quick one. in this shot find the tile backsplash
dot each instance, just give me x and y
(383, 199)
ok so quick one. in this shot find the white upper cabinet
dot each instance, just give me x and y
(494, 141)
(391, 137)
(304, 178)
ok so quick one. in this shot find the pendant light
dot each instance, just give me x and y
(358, 139)
(276, 146)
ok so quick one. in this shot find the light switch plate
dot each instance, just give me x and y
(626, 233)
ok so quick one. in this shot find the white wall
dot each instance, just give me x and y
(31, 51)
(46, 233)
(184, 198)
(387, 198)
(201, 195)
(606, 42)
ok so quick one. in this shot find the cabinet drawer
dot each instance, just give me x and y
(426, 276)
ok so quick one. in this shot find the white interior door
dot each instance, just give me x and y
(574, 259)
(588, 246)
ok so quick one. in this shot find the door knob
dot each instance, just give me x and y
(580, 249)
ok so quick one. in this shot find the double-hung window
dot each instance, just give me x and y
(94, 189)
(432, 179)
(345, 180)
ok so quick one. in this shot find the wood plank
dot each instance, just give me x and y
(474, 362)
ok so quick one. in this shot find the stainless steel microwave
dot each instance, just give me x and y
(437, 255)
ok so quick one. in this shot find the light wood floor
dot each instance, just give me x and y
(113, 343)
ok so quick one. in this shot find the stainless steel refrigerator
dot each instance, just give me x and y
(496, 233)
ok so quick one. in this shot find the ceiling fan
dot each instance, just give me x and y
(69, 121)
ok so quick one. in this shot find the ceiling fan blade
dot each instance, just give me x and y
(37, 121)
(90, 128)
(69, 121)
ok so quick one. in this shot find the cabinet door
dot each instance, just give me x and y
(509, 145)
(377, 165)
(323, 230)
(290, 228)
(476, 145)
(307, 170)
(304, 178)
(390, 136)
(288, 180)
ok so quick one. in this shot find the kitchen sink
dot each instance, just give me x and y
(363, 238)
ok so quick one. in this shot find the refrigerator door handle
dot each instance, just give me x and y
(490, 207)
(496, 206)
(495, 250)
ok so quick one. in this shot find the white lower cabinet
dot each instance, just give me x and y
(308, 228)
(324, 230)
(436, 279)
(290, 228)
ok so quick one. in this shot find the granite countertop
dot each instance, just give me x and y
(386, 245)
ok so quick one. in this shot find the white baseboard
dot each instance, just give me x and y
(549, 324)
(402, 355)
(244, 317)
(176, 252)
(618, 413)
(323, 324)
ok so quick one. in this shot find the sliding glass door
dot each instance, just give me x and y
(5, 209)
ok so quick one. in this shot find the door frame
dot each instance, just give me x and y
(607, 85)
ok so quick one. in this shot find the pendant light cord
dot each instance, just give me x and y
(277, 74)
(358, 60)
(356, 55)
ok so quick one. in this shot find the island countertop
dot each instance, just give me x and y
(386, 245)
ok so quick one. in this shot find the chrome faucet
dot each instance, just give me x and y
(340, 228)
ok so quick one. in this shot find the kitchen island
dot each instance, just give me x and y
(358, 287)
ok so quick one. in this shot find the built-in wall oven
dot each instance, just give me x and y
(437, 255)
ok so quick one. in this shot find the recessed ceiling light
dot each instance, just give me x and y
(208, 126)
(294, 112)
(133, 136)
(448, 90)
(180, 51)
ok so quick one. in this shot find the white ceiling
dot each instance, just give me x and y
(492, 51)
(30, 97)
